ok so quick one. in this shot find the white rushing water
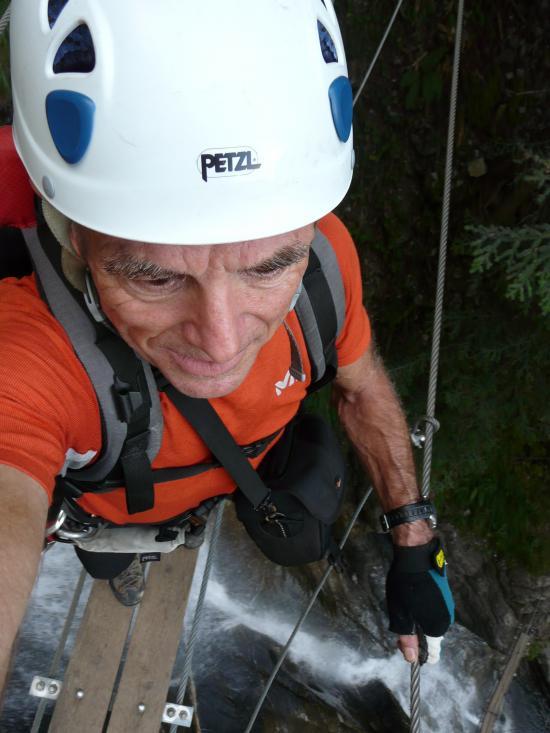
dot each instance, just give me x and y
(452, 703)
(447, 697)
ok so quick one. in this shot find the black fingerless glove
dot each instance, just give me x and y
(417, 590)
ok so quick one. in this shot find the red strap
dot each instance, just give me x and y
(16, 193)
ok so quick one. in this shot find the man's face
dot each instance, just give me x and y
(199, 313)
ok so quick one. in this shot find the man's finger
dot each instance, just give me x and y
(408, 644)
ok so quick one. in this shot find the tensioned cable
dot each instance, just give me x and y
(5, 19)
(54, 666)
(378, 50)
(197, 616)
(438, 317)
(304, 615)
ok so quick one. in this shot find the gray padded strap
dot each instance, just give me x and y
(304, 310)
(312, 337)
(331, 270)
(82, 335)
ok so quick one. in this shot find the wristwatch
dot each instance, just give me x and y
(409, 513)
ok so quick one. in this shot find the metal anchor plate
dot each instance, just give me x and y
(177, 715)
(45, 687)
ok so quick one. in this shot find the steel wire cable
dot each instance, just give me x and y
(54, 666)
(377, 52)
(197, 615)
(440, 288)
(304, 615)
(438, 318)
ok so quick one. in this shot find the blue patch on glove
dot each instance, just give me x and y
(443, 585)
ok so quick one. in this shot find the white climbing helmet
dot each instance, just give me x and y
(183, 123)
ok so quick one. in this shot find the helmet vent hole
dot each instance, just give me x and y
(328, 49)
(54, 9)
(76, 53)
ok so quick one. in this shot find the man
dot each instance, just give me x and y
(186, 157)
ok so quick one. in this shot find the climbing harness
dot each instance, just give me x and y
(429, 419)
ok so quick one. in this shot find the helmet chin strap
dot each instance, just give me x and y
(91, 298)
(295, 296)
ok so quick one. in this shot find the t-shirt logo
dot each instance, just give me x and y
(288, 381)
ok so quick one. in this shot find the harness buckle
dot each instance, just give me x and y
(128, 401)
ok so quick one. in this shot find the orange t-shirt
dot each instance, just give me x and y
(49, 411)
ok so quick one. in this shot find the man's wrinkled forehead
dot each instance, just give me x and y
(238, 255)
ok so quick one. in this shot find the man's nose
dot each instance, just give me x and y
(216, 320)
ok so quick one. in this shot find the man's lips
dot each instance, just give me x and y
(204, 367)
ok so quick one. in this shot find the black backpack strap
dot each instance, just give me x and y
(133, 402)
(321, 310)
(209, 426)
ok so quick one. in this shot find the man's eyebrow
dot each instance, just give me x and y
(132, 268)
(122, 264)
(284, 257)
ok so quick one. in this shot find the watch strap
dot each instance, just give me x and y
(423, 509)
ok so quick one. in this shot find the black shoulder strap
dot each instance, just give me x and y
(209, 426)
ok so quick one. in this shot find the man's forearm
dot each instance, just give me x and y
(373, 419)
(23, 508)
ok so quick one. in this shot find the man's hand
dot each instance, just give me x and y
(419, 598)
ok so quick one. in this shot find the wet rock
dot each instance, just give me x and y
(482, 603)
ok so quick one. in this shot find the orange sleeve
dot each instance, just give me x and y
(355, 334)
(47, 404)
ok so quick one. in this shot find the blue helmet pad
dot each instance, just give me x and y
(70, 119)
(341, 105)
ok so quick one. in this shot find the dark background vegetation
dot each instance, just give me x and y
(491, 456)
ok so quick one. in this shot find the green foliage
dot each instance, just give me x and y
(539, 175)
(522, 254)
